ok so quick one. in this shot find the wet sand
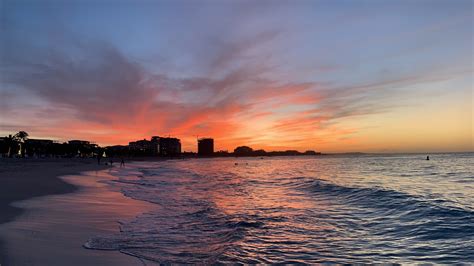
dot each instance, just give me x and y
(51, 230)
(22, 179)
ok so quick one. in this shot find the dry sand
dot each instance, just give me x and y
(51, 230)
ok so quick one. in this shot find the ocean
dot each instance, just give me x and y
(315, 209)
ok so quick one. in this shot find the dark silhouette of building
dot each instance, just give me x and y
(78, 142)
(155, 142)
(117, 150)
(38, 147)
(82, 148)
(205, 147)
(169, 146)
(157, 146)
(144, 147)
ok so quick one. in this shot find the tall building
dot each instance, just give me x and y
(155, 142)
(205, 147)
(169, 146)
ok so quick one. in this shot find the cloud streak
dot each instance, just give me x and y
(120, 100)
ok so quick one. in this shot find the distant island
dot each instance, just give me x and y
(20, 145)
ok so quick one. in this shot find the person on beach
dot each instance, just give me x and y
(122, 163)
(99, 156)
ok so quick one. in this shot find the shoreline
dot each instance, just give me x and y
(55, 228)
(22, 179)
(26, 179)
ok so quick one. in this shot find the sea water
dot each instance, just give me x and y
(335, 209)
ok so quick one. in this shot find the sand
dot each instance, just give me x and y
(51, 230)
(26, 178)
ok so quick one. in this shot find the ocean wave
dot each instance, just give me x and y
(383, 198)
(194, 237)
(277, 211)
(397, 215)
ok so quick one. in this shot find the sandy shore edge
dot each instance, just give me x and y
(22, 179)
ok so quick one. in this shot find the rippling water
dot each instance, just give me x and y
(398, 208)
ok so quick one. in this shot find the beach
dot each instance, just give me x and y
(342, 209)
(46, 220)
(24, 179)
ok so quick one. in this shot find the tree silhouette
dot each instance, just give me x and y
(9, 141)
(21, 137)
(243, 151)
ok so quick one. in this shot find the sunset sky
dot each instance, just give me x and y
(332, 76)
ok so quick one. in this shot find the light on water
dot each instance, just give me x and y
(340, 209)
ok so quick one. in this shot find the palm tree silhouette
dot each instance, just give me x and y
(9, 141)
(21, 137)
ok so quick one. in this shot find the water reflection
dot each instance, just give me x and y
(334, 209)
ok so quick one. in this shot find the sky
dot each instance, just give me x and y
(331, 76)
